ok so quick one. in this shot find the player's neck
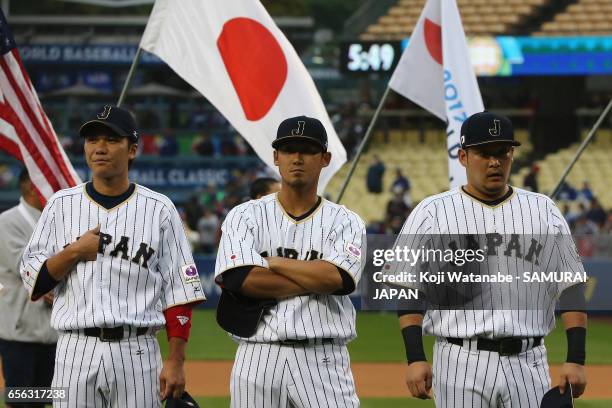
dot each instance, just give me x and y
(111, 186)
(297, 201)
(481, 195)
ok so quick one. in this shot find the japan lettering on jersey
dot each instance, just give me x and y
(144, 262)
(261, 228)
(524, 231)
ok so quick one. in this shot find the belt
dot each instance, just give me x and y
(294, 342)
(506, 346)
(112, 333)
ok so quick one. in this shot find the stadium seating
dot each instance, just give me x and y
(593, 166)
(424, 163)
(585, 17)
(480, 17)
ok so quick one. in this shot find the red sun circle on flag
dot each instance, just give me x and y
(255, 63)
(433, 40)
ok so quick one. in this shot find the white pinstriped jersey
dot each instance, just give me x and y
(144, 264)
(525, 214)
(260, 228)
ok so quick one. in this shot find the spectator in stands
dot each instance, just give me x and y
(203, 145)
(192, 236)
(395, 225)
(169, 145)
(596, 214)
(149, 145)
(401, 185)
(210, 196)
(400, 181)
(397, 207)
(264, 186)
(207, 228)
(571, 216)
(584, 226)
(567, 192)
(586, 194)
(193, 212)
(531, 179)
(374, 179)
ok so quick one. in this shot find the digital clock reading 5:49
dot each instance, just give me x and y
(369, 56)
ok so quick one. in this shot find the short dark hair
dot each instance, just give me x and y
(261, 186)
(24, 176)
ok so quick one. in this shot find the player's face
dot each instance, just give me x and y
(300, 163)
(488, 167)
(108, 154)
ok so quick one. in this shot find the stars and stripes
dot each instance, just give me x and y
(25, 131)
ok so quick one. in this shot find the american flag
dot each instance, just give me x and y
(25, 131)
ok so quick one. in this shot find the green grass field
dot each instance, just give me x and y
(379, 340)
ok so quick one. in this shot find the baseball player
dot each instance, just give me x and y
(27, 341)
(493, 356)
(117, 260)
(264, 186)
(286, 263)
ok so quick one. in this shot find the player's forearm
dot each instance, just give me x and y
(61, 263)
(177, 349)
(317, 276)
(412, 319)
(574, 319)
(265, 284)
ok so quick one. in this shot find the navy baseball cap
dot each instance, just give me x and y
(554, 399)
(487, 127)
(115, 118)
(301, 129)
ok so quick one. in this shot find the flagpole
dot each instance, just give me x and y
(363, 143)
(129, 77)
(583, 146)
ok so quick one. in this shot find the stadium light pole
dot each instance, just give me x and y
(363, 143)
(129, 77)
(583, 146)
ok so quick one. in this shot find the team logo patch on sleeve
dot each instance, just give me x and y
(353, 251)
(190, 273)
(182, 319)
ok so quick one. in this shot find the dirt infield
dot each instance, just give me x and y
(211, 379)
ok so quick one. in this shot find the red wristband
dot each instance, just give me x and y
(178, 321)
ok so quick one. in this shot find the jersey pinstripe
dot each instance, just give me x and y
(524, 213)
(142, 268)
(260, 228)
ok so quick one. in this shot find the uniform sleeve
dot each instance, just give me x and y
(348, 245)
(415, 234)
(42, 246)
(239, 244)
(181, 282)
(565, 251)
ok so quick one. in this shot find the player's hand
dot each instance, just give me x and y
(418, 379)
(575, 374)
(86, 247)
(172, 379)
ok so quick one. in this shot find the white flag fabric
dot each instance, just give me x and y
(232, 53)
(435, 72)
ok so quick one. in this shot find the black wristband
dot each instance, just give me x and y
(413, 342)
(576, 341)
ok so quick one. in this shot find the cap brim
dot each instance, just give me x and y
(510, 142)
(87, 125)
(303, 139)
